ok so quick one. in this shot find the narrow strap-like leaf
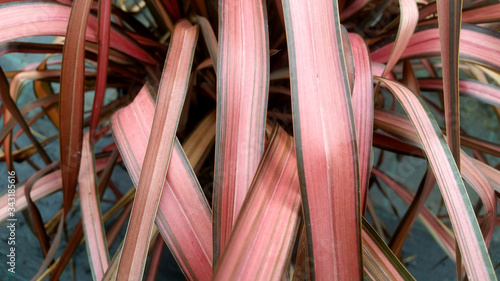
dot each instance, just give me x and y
(97, 250)
(478, 180)
(485, 92)
(184, 216)
(470, 172)
(407, 23)
(49, 18)
(104, 22)
(409, 78)
(490, 12)
(491, 173)
(242, 88)
(325, 139)
(470, 240)
(394, 122)
(477, 44)
(449, 19)
(72, 100)
(210, 39)
(53, 249)
(46, 185)
(264, 232)
(171, 94)
(362, 105)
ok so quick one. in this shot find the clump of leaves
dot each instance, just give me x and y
(285, 111)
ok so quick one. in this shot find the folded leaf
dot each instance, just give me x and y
(263, 236)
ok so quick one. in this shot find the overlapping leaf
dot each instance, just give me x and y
(171, 94)
(183, 217)
(242, 88)
(264, 232)
(469, 238)
(326, 150)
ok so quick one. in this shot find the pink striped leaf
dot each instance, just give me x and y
(407, 23)
(491, 173)
(242, 88)
(41, 18)
(362, 105)
(477, 44)
(263, 236)
(171, 94)
(484, 92)
(43, 187)
(469, 238)
(97, 249)
(470, 171)
(184, 216)
(478, 180)
(488, 13)
(326, 150)
(393, 122)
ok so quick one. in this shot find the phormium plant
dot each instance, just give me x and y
(286, 111)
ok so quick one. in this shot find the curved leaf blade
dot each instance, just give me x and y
(469, 238)
(263, 236)
(171, 94)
